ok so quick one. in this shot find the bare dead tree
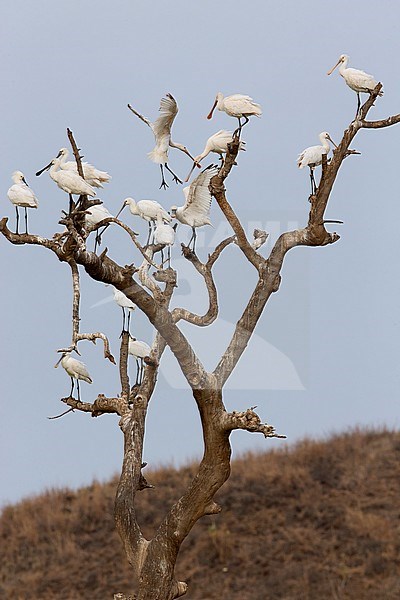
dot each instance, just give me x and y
(153, 561)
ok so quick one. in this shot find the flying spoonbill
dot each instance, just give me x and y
(147, 210)
(196, 210)
(217, 143)
(75, 369)
(20, 194)
(92, 175)
(357, 80)
(312, 157)
(238, 106)
(164, 234)
(139, 350)
(161, 129)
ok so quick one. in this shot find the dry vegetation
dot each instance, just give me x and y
(319, 521)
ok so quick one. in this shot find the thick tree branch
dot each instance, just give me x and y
(97, 335)
(76, 335)
(206, 271)
(213, 257)
(249, 421)
(100, 406)
(217, 189)
(28, 238)
(123, 365)
(381, 123)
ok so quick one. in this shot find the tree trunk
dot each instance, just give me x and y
(155, 567)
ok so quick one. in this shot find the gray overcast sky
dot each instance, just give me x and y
(326, 353)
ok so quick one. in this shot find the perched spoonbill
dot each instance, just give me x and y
(312, 157)
(196, 210)
(161, 129)
(68, 181)
(126, 304)
(93, 216)
(20, 194)
(217, 143)
(260, 237)
(147, 210)
(92, 175)
(164, 234)
(357, 80)
(75, 369)
(238, 106)
(139, 350)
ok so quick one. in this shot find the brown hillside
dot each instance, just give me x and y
(319, 521)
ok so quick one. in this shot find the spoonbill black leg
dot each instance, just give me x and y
(17, 213)
(175, 177)
(164, 184)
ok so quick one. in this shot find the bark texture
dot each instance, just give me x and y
(153, 561)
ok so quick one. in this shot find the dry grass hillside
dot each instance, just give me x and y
(319, 521)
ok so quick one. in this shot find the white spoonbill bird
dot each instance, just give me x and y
(92, 175)
(357, 80)
(139, 350)
(196, 210)
(164, 234)
(217, 143)
(68, 181)
(161, 129)
(123, 301)
(75, 369)
(93, 216)
(312, 157)
(238, 106)
(147, 210)
(20, 194)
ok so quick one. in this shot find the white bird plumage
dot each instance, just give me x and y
(161, 129)
(21, 195)
(139, 350)
(68, 181)
(147, 210)
(125, 303)
(357, 80)
(76, 370)
(92, 176)
(96, 214)
(164, 234)
(217, 143)
(196, 210)
(93, 216)
(312, 157)
(238, 106)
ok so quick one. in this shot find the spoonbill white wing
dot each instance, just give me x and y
(95, 214)
(197, 195)
(76, 368)
(141, 117)
(169, 110)
(241, 104)
(22, 195)
(310, 156)
(138, 348)
(359, 80)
